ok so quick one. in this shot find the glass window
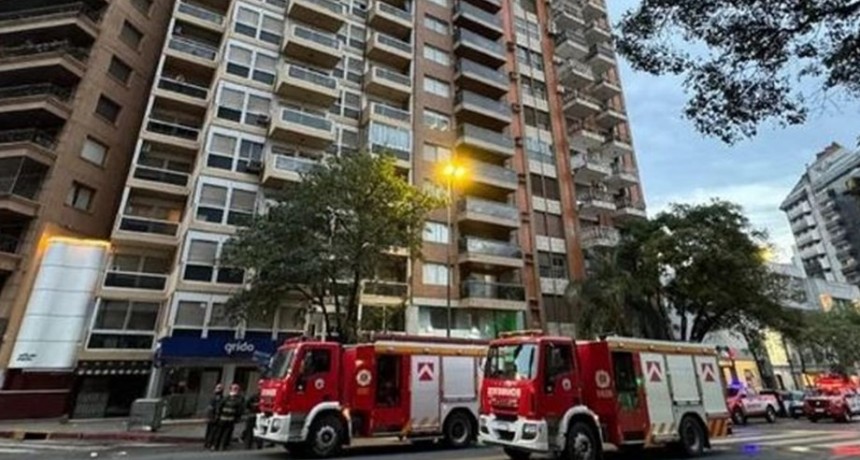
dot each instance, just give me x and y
(437, 55)
(436, 25)
(435, 274)
(119, 69)
(130, 35)
(239, 60)
(390, 136)
(190, 314)
(242, 206)
(211, 204)
(230, 104)
(259, 25)
(437, 87)
(220, 317)
(512, 362)
(108, 109)
(80, 197)
(436, 120)
(436, 153)
(120, 324)
(265, 68)
(316, 362)
(436, 232)
(559, 360)
(221, 151)
(94, 151)
(249, 152)
(201, 260)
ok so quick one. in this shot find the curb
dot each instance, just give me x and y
(21, 435)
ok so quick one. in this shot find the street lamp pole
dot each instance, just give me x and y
(449, 257)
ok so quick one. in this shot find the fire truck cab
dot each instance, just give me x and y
(548, 395)
(318, 396)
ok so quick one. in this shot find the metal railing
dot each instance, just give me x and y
(313, 121)
(393, 10)
(591, 235)
(193, 47)
(482, 15)
(56, 11)
(577, 37)
(386, 288)
(491, 171)
(396, 43)
(311, 76)
(323, 38)
(597, 195)
(201, 12)
(163, 175)
(490, 46)
(630, 204)
(162, 124)
(181, 87)
(134, 280)
(620, 169)
(130, 223)
(39, 89)
(491, 105)
(23, 185)
(388, 111)
(488, 290)
(493, 137)
(33, 49)
(390, 75)
(489, 208)
(383, 149)
(580, 96)
(496, 76)
(331, 5)
(44, 138)
(603, 50)
(294, 164)
(589, 159)
(490, 247)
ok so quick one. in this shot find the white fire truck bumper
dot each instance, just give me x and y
(521, 434)
(275, 428)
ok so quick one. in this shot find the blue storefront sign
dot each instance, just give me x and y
(224, 345)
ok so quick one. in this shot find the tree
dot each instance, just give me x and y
(833, 336)
(746, 61)
(321, 240)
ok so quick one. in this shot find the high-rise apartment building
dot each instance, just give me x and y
(73, 82)
(824, 219)
(250, 94)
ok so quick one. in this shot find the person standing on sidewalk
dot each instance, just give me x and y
(252, 407)
(212, 416)
(229, 413)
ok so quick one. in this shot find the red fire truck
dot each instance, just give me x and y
(548, 395)
(318, 396)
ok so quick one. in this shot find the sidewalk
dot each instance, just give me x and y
(172, 431)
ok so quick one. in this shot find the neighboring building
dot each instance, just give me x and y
(250, 94)
(825, 220)
(74, 77)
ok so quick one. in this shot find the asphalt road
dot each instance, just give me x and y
(786, 440)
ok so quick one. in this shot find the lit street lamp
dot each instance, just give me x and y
(452, 172)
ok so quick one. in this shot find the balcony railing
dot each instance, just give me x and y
(489, 208)
(591, 235)
(598, 195)
(487, 135)
(388, 111)
(603, 50)
(24, 185)
(482, 15)
(39, 89)
(467, 36)
(475, 245)
(331, 5)
(44, 138)
(168, 126)
(396, 43)
(386, 288)
(496, 76)
(147, 225)
(181, 87)
(390, 75)
(490, 105)
(619, 169)
(323, 38)
(630, 204)
(580, 160)
(490, 171)
(489, 290)
(580, 96)
(193, 47)
(312, 76)
(387, 149)
(163, 175)
(574, 36)
(135, 280)
(34, 49)
(313, 121)
(201, 13)
(295, 164)
(394, 11)
(56, 11)
(8, 243)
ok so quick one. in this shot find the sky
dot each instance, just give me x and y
(677, 164)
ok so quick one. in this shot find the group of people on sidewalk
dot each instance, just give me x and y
(224, 412)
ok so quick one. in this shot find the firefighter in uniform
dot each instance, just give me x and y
(229, 413)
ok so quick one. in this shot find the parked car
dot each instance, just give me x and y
(841, 405)
(781, 409)
(745, 403)
(793, 404)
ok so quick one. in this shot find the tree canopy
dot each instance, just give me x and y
(745, 62)
(832, 337)
(318, 242)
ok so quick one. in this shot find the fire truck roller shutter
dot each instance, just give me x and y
(425, 402)
(686, 392)
(708, 373)
(658, 395)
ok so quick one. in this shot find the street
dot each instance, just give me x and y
(785, 440)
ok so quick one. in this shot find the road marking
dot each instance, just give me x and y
(849, 442)
(10, 450)
(757, 438)
(807, 440)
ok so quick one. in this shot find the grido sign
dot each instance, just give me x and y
(217, 344)
(239, 346)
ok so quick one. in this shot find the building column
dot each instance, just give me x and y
(153, 388)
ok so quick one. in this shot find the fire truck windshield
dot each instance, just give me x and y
(281, 363)
(512, 362)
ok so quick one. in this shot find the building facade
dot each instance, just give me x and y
(824, 219)
(74, 77)
(250, 94)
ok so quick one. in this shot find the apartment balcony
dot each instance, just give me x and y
(601, 58)
(479, 20)
(306, 129)
(593, 203)
(388, 84)
(484, 213)
(36, 104)
(315, 47)
(32, 143)
(159, 170)
(598, 32)
(58, 60)
(389, 50)
(388, 114)
(593, 9)
(599, 237)
(802, 224)
(498, 178)
(280, 169)
(589, 168)
(193, 50)
(489, 295)
(323, 14)
(481, 79)
(402, 157)
(616, 146)
(628, 210)
(808, 238)
(200, 15)
(478, 48)
(132, 284)
(69, 16)
(604, 89)
(568, 17)
(585, 138)
(622, 176)
(173, 129)
(473, 108)
(571, 44)
(576, 75)
(489, 255)
(20, 182)
(484, 141)
(149, 219)
(392, 20)
(307, 85)
(191, 96)
(610, 117)
(492, 6)
(578, 104)
(384, 292)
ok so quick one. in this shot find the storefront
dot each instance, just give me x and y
(108, 388)
(189, 365)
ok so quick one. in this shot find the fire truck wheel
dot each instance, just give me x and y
(770, 414)
(692, 437)
(738, 417)
(326, 436)
(581, 443)
(514, 454)
(459, 430)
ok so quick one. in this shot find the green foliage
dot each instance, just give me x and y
(326, 236)
(833, 337)
(745, 61)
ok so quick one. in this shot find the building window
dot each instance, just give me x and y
(392, 137)
(435, 232)
(108, 109)
(80, 197)
(242, 206)
(200, 265)
(142, 5)
(548, 225)
(436, 25)
(436, 120)
(190, 314)
(435, 274)
(437, 55)
(545, 187)
(211, 204)
(437, 87)
(552, 265)
(94, 151)
(119, 70)
(436, 153)
(246, 63)
(121, 324)
(130, 35)
(257, 25)
(249, 108)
